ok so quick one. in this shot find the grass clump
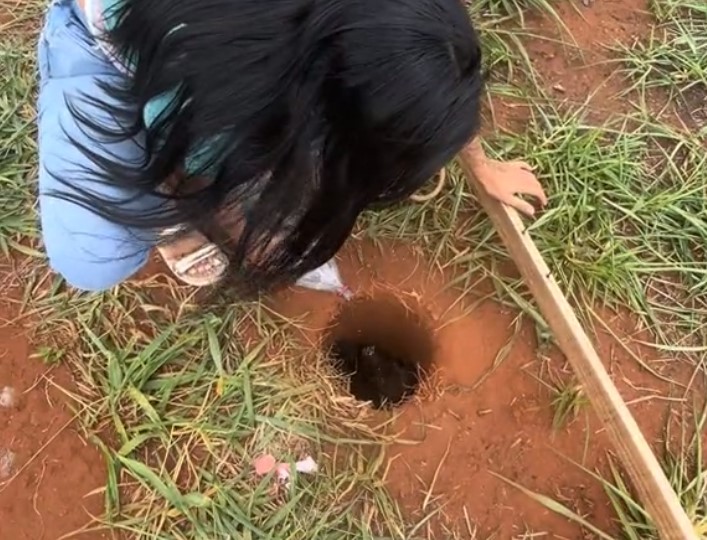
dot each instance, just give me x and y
(18, 149)
(674, 56)
(567, 403)
(627, 210)
(502, 28)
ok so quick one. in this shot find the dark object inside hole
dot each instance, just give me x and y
(375, 375)
(382, 348)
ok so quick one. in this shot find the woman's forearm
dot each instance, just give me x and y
(475, 155)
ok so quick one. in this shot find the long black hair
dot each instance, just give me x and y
(318, 109)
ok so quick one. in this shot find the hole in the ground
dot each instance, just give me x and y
(383, 348)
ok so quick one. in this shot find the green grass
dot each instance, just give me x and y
(567, 398)
(192, 393)
(567, 401)
(674, 56)
(622, 213)
(18, 149)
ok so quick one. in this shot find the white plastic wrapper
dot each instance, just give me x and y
(326, 278)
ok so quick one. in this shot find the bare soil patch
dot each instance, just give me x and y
(49, 473)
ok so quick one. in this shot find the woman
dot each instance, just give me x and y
(246, 134)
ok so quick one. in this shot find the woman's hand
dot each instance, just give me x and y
(506, 181)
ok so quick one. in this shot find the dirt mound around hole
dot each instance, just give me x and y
(383, 347)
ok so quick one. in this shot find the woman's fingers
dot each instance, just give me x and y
(527, 184)
(522, 206)
(516, 202)
(510, 182)
(522, 165)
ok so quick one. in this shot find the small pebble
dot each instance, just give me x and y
(7, 397)
(7, 463)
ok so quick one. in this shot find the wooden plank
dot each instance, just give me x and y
(646, 474)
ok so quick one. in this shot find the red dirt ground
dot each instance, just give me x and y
(43, 495)
(585, 68)
(469, 427)
(574, 63)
